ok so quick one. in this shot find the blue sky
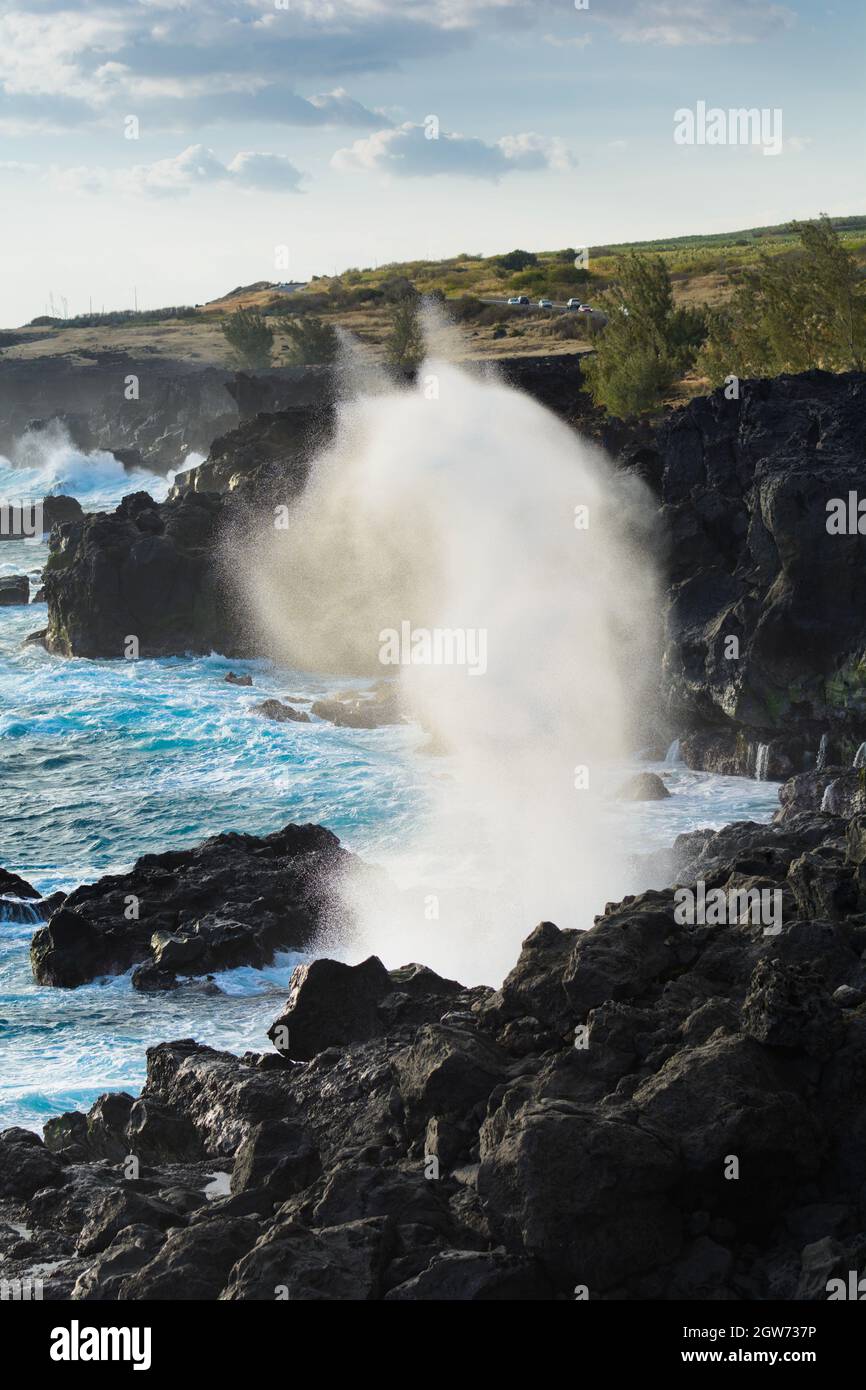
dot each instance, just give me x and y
(300, 123)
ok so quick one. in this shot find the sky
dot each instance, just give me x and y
(168, 150)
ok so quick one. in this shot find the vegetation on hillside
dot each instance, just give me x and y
(250, 338)
(647, 342)
(116, 317)
(310, 341)
(701, 308)
(404, 346)
(808, 310)
(788, 314)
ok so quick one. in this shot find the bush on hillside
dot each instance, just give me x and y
(518, 260)
(792, 312)
(250, 338)
(310, 341)
(404, 346)
(647, 343)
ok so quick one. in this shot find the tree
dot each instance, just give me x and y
(518, 260)
(404, 346)
(249, 337)
(647, 343)
(792, 312)
(311, 340)
(398, 287)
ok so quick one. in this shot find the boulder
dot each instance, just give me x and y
(644, 786)
(26, 1165)
(14, 589)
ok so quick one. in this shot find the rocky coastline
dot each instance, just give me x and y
(764, 641)
(650, 1109)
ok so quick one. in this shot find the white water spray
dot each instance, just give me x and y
(46, 463)
(456, 506)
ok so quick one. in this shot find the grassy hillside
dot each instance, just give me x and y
(704, 270)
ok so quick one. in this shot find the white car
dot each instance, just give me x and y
(518, 299)
(573, 304)
(545, 303)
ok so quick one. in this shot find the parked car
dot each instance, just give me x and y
(519, 299)
(545, 303)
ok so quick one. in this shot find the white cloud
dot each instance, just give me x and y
(677, 23)
(184, 64)
(195, 167)
(407, 151)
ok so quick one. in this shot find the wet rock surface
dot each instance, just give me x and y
(653, 1108)
(233, 900)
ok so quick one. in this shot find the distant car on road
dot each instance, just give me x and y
(545, 303)
(519, 299)
(582, 308)
(573, 304)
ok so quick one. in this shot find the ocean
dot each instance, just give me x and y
(103, 761)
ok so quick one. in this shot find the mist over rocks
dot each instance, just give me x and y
(271, 446)
(156, 570)
(233, 900)
(644, 1110)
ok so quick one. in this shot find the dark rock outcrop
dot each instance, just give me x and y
(267, 446)
(180, 407)
(765, 628)
(656, 1108)
(234, 900)
(144, 572)
(153, 570)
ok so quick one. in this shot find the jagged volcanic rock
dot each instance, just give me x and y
(649, 1109)
(744, 488)
(233, 900)
(144, 571)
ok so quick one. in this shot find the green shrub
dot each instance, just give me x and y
(250, 338)
(310, 341)
(647, 343)
(518, 260)
(404, 347)
(802, 309)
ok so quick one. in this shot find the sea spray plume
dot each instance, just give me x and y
(461, 505)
